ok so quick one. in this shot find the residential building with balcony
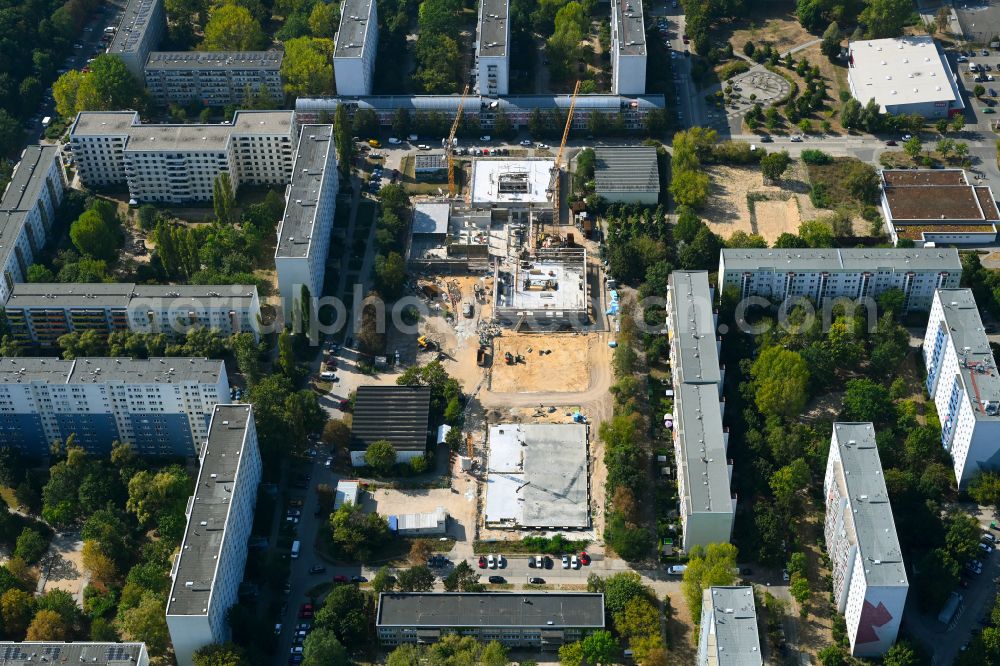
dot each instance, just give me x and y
(208, 569)
(160, 406)
(492, 55)
(355, 47)
(963, 381)
(213, 78)
(143, 26)
(869, 578)
(707, 505)
(852, 273)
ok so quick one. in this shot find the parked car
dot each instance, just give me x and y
(531, 563)
(986, 548)
(535, 580)
(796, 138)
(784, 576)
(501, 562)
(297, 649)
(891, 142)
(486, 137)
(575, 562)
(394, 141)
(490, 562)
(340, 578)
(358, 579)
(766, 138)
(318, 569)
(306, 611)
(526, 143)
(497, 579)
(987, 537)
(987, 109)
(277, 629)
(548, 562)
(482, 562)
(565, 561)
(584, 558)
(676, 569)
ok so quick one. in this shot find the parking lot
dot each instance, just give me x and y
(978, 110)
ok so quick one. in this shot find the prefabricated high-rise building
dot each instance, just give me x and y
(963, 381)
(727, 634)
(628, 48)
(355, 47)
(492, 48)
(143, 26)
(869, 579)
(213, 78)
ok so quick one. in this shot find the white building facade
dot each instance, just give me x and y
(628, 48)
(208, 570)
(492, 54)
(213, 78)
(28, 212)
(304, 232)
(707, 505)
(963, 381)
(160, 406)
(355, 48)
(143, 25)
(869, 578)
(180, 163)
(825, 274)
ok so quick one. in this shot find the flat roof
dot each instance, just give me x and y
(631, 31)
(870, 511)
(626, 169)
(431, 218)
(26, 369)
(692, 325)
(900, 70)
(511, 181)
(347, 491)
(704, 463)
(186, 137)
(734, 640)
(103, 123)
(97, 370)
(977, 367)
(494, 28)
(196, 568)
(936, 195)
(28, 179)
(523, 486)
(134, 24)
(917, 231)
(448, 104)
(352, 34)
(208, 60)
(846, 259)
(120, 294)
(399, 414)
(94, 654)
(429, 161)
(555, 610)
(302, 203)
(416, 521)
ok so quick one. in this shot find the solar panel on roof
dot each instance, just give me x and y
(52, 652)
(117, 653)
(12, 653)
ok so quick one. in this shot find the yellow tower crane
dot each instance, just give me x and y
(557, 167)
(449, 143)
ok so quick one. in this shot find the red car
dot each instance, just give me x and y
(482, 562)
(340, 579)
(584, 559)
(305, 611)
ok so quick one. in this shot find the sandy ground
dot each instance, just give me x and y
(774, 23)
(62, 567)
(565, 369)
(727, 210)
(461, 505)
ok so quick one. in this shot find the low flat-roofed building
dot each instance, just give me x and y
(511, 182)
(208, 570)
(628, 48)
(431, 218)
(869, 578)
(39, 313)
(399, 414)
(831, 273)
(904, 75)
(492, 53)
(143, 25)
(524, 489)
(543, 620)
(425, 164)
(431, 523)
(347, 491)
(355, 47)
(213, 78)
(963, 381)
(728, 633)
(548, 291)
(627, 174)
(933, 206)
(31, 653)
(304, 231)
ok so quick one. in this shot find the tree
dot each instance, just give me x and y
(151, 497)
(147, 622)
(913, 146)
(901, 654)
(830, 47)
(958, 122)
(816, 233)
(621, 588)
(781, 378)
(357, 534)
(866, 400)
(324, 19)
(94, 237)
(30, 545)
(222, 198)
(571, 654)
(416, 579)
(773, 165)
(788, 482)
(886, 18)
(962, 537)
(381, 455)
(706, 567)
(307, 67)
(16, 608)
(101, 567)
(384, 581)
(600, 647)
(221, 654)
(321, 648)
(494, 654)
(689, 188)
(342, 134)
(390, 275)
(345, 613)
(641, 617)
(113, 84)
(463, 578)
(985, 488)
(48, 626)
(337, 435)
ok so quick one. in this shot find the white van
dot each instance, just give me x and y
(677, 569)
(296, 545)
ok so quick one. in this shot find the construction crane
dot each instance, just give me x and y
(450, 141)
(557, 167)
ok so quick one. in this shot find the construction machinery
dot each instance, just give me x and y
(449, 147)
(556, 179)
(427, 344)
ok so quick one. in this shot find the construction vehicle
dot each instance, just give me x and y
(482, 357)
(449, 147)
(427, 344)
(556, 179)
(508, 358)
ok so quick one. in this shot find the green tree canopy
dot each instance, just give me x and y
(381, 455)
(781, 378)
(706, 567)
(231, 27)
(307, 67)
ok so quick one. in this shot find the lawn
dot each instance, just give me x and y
(833, 176)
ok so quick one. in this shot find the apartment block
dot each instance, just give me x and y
(180, 163)
(143, 26)
(628, 48)
(213, 78)
(38, 313)
(963, 381)
(356, 45)
(492, 56)
(530, 620)
(707, 505)
(208, 570)
(304, 231)
(856, 273)
(31, 653)
(160, 406)
(728, 629)
(869, 579)
(28, 212)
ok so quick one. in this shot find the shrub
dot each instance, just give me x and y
(731, 69)
(819, 196)
(814, 156)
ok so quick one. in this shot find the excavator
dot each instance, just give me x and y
(427, 344)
